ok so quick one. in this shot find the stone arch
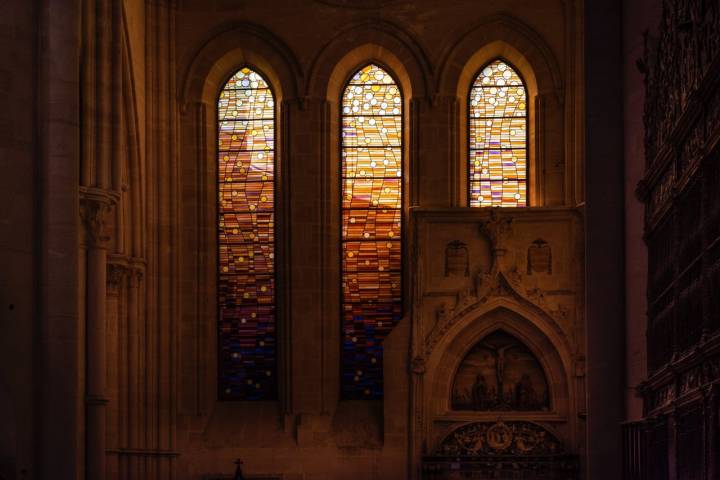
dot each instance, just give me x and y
(500, 36)
(205, 73)
(391, 46)
(398, 54)
(550, 351)
(504, 37)
(240, 45)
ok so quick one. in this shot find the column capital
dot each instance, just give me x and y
(116, 274)
(96, 205)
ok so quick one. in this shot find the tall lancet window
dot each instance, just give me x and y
(247, 345)
(372, 171)
(498, 138)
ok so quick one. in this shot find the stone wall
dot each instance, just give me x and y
(108, 139)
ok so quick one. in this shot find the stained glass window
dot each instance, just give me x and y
(371, 226)
(246, 239)
(498, 138)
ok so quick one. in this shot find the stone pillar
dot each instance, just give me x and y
(604, 239)
(95, 209)
(133, 393)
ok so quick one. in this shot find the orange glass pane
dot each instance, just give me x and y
(371, 141)
(246, 239)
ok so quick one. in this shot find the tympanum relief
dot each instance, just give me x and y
(500, 374)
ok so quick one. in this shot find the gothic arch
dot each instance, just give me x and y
(500, 36)
(206, 73)
(504, 37)
(448, 355)
(239, 45)
(391, 46)
(337, 64)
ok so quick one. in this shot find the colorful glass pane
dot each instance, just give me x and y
(371, 226)
(246, 239)
(498, 138)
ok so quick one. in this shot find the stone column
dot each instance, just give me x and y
(95, 209)
(133, 393)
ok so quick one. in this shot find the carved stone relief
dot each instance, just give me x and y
(539, 257)
(500, 438)
(463, 253)
(456, 259)
(500, 374)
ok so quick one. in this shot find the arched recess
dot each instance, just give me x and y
(243, 44)
(449, 353)
(205, 74)
(338, 63)
(351, 47)
(508, 39)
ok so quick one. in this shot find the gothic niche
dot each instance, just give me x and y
(500, 438)
(500, 374)
(539, 257)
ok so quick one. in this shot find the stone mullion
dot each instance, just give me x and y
(305, 156)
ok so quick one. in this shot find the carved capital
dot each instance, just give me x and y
(418, 365)
(136, 276)
(96, 207)
(116, 274)
(137, 267)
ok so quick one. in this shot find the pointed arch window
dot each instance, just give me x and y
(246, 239)
(372, 193)
(498, 133)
